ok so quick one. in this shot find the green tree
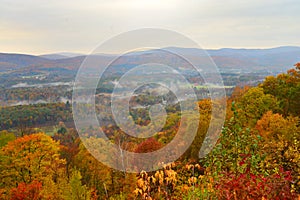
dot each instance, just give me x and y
(253, 104)
(75, 190)
(6, 137)
(286, 88)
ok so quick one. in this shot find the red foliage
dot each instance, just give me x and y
(251, 186)
(31, 191)
(148, 145)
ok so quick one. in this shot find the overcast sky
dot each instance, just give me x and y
(47, 26)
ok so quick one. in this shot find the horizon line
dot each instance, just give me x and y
(84, 53)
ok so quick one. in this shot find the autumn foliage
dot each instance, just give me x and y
(256, 156)
(31, 191)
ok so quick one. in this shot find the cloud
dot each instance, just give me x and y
(34, 26)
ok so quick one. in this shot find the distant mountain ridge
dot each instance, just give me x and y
(279, 58)
(62, 55)
(10, 61)
(274, 58)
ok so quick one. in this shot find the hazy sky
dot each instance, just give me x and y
(47, 26)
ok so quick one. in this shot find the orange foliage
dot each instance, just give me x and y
(275, 125)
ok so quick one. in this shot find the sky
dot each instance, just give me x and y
(49, 26)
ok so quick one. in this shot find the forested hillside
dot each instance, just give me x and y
(256, 157)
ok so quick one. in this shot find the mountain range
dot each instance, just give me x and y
(277, 59)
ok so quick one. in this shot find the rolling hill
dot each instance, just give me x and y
(16, 68)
